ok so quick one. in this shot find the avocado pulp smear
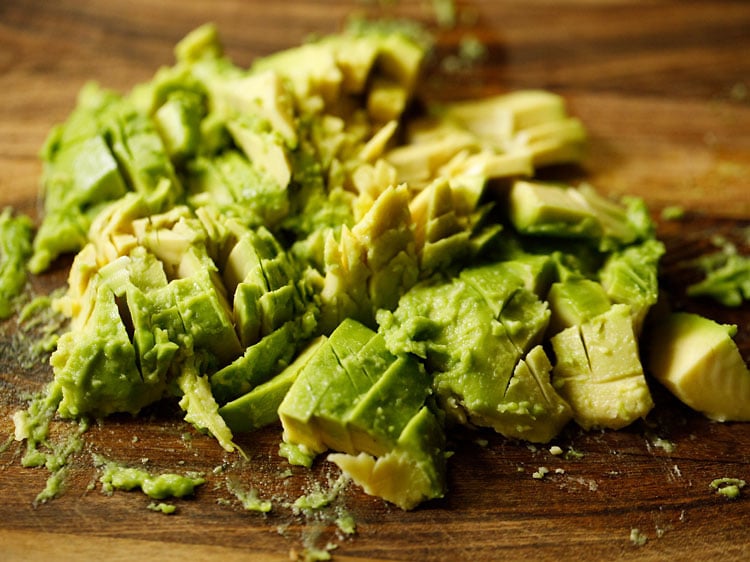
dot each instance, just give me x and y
(291, 243)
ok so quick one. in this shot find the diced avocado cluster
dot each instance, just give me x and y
(355, 397)
(282, 243)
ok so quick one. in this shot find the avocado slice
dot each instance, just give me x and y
(699, 362)
(259, 407)
(257, 364)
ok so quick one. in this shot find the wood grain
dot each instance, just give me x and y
(662, 88)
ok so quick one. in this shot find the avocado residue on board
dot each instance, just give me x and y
(290, 243)
(16, 235)
(116, 476)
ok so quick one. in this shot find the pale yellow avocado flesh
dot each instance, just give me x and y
(699, 362)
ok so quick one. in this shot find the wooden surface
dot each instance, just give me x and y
(663, 89)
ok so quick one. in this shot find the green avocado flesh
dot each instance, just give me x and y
(295, 244)
(16, 234)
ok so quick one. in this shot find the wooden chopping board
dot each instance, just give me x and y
(663, 89)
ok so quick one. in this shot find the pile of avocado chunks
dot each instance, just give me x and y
(297, 242)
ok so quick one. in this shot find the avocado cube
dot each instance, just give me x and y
(599, 373)
(525, 318)
(537, 208)
(153, 342)
(265, 149)
(206, 316)
(531, 409)
(349, 338)
(247, 313)
(523, 315)
(495, 282)
(535, 271)
(575, 301)
(277, 307)
(631, 276)
(178, 122)
(96, 176)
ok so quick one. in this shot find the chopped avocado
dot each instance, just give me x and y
(241, 233)
(199, 405)
(105, 149)
(317, 418)
(259, 406)
(374, 423)
(343, 398)
(699, 362)
(534, 410)
(15, 251)
(264, 148)
(545, 209)
(537, 208)
(727, 278)
(206, 315)
(234, 184)
(575, 301)
(372, 264)
(95, 367)
(259, 362)
(178, 122)
(599, 373)
(630, 276)
(201, 42)
(448, 227)
(472, 331)
(412, 472)
(530, 408)
(531, 121)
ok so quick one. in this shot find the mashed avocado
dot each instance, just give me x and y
(168, 485)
